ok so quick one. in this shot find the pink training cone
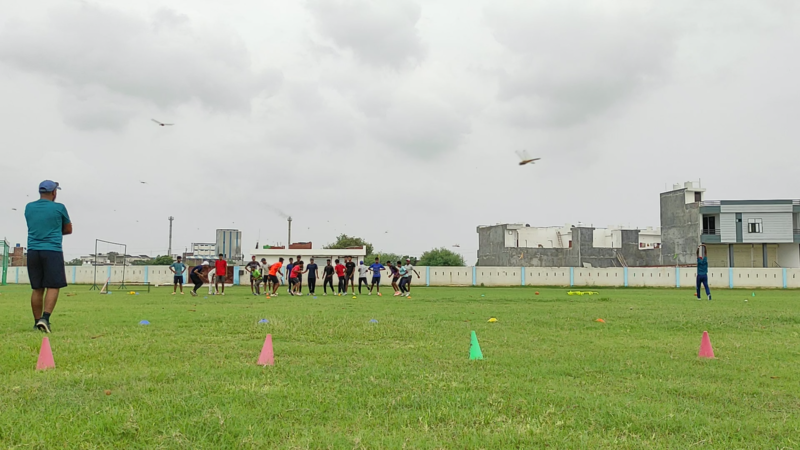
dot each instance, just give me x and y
(267, 358)
(45, 356)
(705, 347)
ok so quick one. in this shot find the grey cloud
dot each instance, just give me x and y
(421, 127)
(574, 61)
(378, 33)
(164, 61)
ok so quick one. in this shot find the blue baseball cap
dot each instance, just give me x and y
(48, 186)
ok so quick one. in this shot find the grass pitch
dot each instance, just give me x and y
(552, 376)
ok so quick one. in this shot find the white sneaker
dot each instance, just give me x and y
(324, 293)
(370, 293)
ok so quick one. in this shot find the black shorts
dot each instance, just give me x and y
(177, 279)
(46, 269)
(274, 279)
(376, 280)
(293, 281)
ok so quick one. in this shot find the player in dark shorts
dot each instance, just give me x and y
(265, 275)
(349, 278)
(327, 278)
(47, 222)
(294, 277)
(177, 268)
(376, 269)
(395, 274)
(300, 278)
(250, 267)
(311, 269)
(274, 271)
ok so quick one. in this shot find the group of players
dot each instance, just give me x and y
(272, 276)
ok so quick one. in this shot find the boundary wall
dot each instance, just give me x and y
(780, 278)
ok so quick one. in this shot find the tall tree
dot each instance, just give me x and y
(74, 262)
(441, 257)
(345, 241)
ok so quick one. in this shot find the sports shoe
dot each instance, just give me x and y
(43, 325)
(370, 293)
(396, 294)
(194, 294)
(325, 293)
(379, 294)
(181, 292)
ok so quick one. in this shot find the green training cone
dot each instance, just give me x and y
(475, 348)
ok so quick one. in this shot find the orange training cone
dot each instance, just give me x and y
(705, 347)
(45, 356)
(267, 358)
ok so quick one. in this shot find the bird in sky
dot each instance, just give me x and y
(163, 124)
(13, 209)
(525, 158)
(143, 182)
(457, 246)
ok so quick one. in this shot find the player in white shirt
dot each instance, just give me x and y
(211, 275)
(362, 276)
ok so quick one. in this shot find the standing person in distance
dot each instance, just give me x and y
(327, 278)
(409, 271)
(340, 274)
(221, 271)
(274, 271)
(177, 268)
(265, 276)
(376, 268)
(362, 276)
(294, 277)
(250, 267)
(300, 278)
(211, 274)
(48, 222)
(350, 271)
(289, 268)
(702, 272)
(313, 274)
(196, 275)
(395, 273)
(401, 272)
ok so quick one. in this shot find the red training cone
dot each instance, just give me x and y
(45, 356)
(705, 347)
(267, 358)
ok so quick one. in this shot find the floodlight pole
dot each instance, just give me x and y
(169, 252)
(289, 242)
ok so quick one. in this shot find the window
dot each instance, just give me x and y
(754, 225)
(710, 225)
(698, 196)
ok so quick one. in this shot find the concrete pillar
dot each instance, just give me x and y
(730, 255)
(764, 256)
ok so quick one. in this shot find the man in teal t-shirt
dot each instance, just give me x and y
(48, 222)
(702, 272)
(177, 269)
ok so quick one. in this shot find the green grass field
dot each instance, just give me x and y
(552, 377)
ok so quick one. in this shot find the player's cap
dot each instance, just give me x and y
(205, 263)
(48, 186)
(408, 260)
(361, 262)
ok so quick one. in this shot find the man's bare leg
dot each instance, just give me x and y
(37, 303)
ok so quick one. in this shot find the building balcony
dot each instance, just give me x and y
(710, 236)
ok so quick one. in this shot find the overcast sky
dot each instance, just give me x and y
(396, 121)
